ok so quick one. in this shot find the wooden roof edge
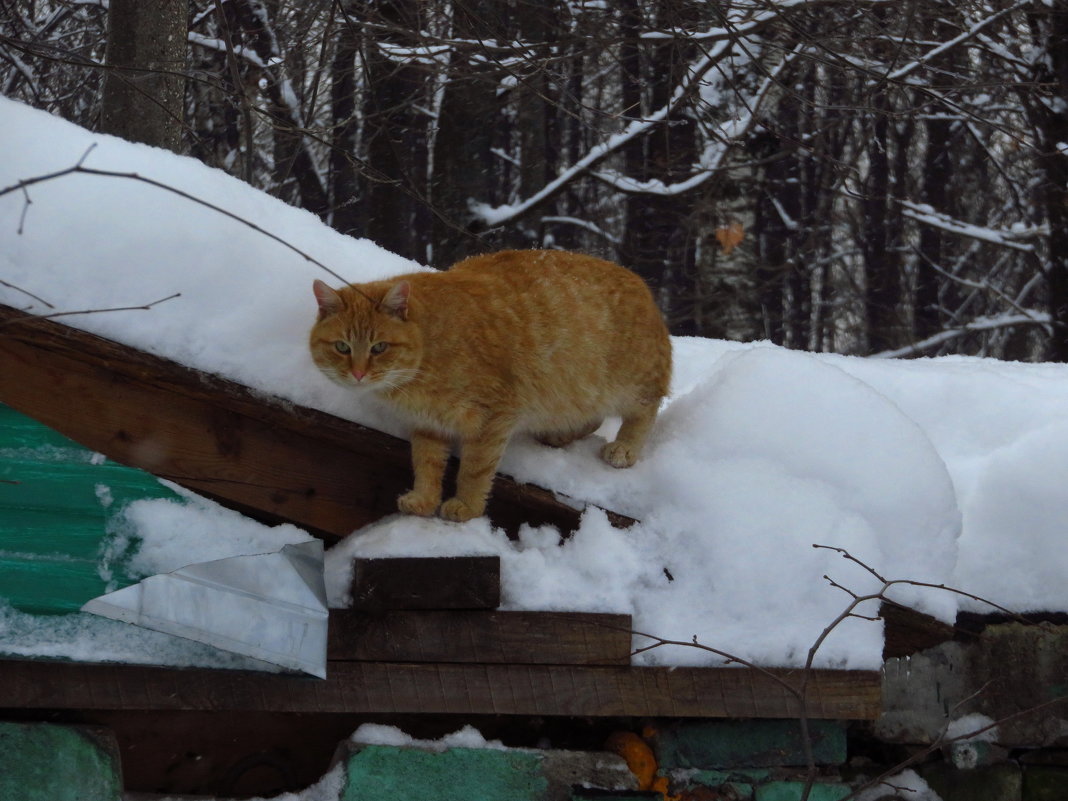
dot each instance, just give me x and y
(264, 455)
(444, 688)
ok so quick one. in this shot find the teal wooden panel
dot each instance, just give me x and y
(49, 586)
(29, 481)
(59, 505)
(44, 533)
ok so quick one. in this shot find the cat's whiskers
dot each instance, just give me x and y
(397, 380)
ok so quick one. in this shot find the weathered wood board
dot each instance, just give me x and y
(258, 454)
(394, 688)
(426, 582)
(521, 638)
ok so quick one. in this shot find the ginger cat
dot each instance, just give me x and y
(541, 341)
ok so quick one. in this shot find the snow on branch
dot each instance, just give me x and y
(981, 324)
(488, 216)
(584, 224)
(712, 159)
(242, 52)
(735, 28)
(1011, 238)
(971, 33)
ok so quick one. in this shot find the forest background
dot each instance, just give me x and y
(874, 177)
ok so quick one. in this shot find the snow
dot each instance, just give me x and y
(946, 471)
(973, 728)
(907, 784)
(465, 737)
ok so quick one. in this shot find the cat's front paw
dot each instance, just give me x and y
(458, 512)
(412, 503)
(619, 454)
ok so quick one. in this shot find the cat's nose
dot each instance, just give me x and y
(358, 374)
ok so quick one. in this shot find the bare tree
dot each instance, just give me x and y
(830, 174)
(144, 87)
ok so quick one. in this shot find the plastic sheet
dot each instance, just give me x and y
(270, 607)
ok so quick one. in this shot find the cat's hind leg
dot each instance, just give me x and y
(625, 449)
(559, 439)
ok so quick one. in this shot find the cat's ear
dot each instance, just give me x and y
(395, 301)
(329, 300)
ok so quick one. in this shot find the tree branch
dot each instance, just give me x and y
(79, 168)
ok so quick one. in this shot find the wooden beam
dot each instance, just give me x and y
(906, 631)
(261, 455)
(522, 638)
(426, 582)
(392, 688)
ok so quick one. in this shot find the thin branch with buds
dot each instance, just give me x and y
(52, 316)
(81, 169)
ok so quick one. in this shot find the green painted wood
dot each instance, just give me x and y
(58, 504)
(44, 762)
(457, 774)
(717, 744)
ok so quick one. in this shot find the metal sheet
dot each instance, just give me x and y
(269, 606)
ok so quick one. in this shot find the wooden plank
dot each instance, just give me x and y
(907, 631)
(258, 454)
(392, 688)
(524, 638)
(423, 582)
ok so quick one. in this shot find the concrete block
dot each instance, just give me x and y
(477, 774)
(1045, 756)
(968, 755)
(794, 791)
(726, 785)
(992, 783)
(1010, 667)
(746, 743)
(594, 769)
(46, 762)
(1045, 783)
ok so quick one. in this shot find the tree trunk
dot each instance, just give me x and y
(293, 160)
(882, 300)
(344, 184)
(463, 147)
(394, 133)
(144, 88)
(535, 24)
(1052, 127)
(658, 243)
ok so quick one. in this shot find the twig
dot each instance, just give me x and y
(26, 292)
(25, 210)
(909, 582)
(79, 168)
(800, 692)
(941, 740)
(37, 317)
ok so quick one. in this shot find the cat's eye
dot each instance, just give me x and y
(341, 346)
(379, 347)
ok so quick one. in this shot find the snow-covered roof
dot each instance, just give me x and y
(947, 471)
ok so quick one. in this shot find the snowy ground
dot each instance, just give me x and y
(944, 471)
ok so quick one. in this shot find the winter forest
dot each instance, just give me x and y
(873, 177)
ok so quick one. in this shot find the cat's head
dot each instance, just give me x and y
(363, 336)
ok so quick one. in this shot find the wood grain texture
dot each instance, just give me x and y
(259, 454)
(426, 582)
(522, 638)
(391, 688)
(906, 631)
